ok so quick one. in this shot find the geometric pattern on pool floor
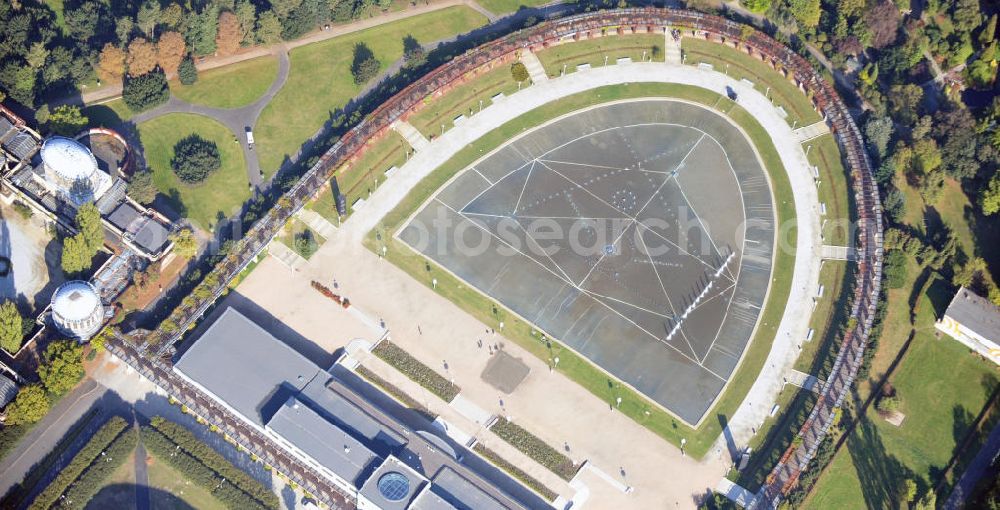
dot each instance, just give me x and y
(640, 234)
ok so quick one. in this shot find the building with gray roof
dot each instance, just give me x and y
(315, 416)
(8, 391)
(975, 322)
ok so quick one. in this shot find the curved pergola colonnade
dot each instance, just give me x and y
(627, 21)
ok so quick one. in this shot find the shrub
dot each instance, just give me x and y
(23, 209)
(533, 447)
(93, 479)
(519, 72)
(894, 269)
(146, 91)
(187, 72)
(90, 451)
(305, 243)
(414, 369)
(195, 158)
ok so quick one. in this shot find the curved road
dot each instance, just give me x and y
(238, 120)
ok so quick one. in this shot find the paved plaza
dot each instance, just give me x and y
(439, 334)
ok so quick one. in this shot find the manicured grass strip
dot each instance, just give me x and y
(93, 479)
(206, 455)
(532, 446)
(833, 189)
(500, 7)
(463, 100)
(593, 51)
(320, 79)
(515, 471)
(417, 371)
(359, 179)
(90, 451)
(218, 196)
(295, 228)
(574, 366)
(393, 390)
(231, 86)
(21, 490)
(220, 486)
(740, 66)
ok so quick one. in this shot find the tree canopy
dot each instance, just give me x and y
(67, 120)
(146, 91)
(30, 405)
(141, 187)
(11, 327)
(62, 367)
(195, 158)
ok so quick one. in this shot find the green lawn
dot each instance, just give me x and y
(741, 65)
(833, 189)
(939, 407)
(222, 193)
(574, 366)
(108, 114)
(463, 100)
(294, 228)
(500, 7)
(175, 492)
(593, 51)
(230, 86)
(320, 80)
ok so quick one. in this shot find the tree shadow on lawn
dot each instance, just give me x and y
(880, 474)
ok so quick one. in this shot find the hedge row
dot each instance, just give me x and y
(194, 470)
(414, 369)
(94, 478)
(533, 447)
(515, 471)
(214, 461)
(90, 451)
(18, 492)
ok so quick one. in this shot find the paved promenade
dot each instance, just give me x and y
(557, 409)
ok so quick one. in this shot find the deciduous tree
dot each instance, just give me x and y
(67, 120)
(989, 197)
(170, 51)
(111, 63)
(141, 187)
(62, 367)
(141, 57)
(185, 245)
(365, 65)
(148, 17)
(227, 41)
(11, 327)
(88, 222)
(75, 257)
(30, 405)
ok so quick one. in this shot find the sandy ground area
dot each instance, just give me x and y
(34, 259)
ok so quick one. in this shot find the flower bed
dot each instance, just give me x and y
(514, 471)
(533, 447)
(414, 369)
(397, 393)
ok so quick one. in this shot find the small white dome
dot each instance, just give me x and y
(68, 158)
(77, 310)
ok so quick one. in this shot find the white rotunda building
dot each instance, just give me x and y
(71, 171)
(77, 310)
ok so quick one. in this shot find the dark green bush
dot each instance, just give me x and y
(533, 447)
(195, 158)
(90, 451)
(187, 72)
(146, 91)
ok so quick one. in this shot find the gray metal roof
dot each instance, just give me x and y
(144, 231)
(239, 363)
(337, 408)
(8, 390)
(462, 493)
(331, 446)
(427, 500)
(976, 313)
